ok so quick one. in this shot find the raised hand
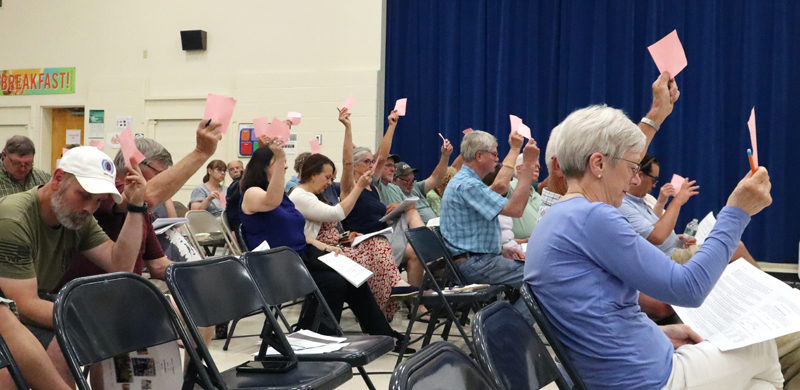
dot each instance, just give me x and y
(688, 190)
(344, 116)
(752, 193)
(135, 184)
(208, 136)
(392, 118)
(447, 148)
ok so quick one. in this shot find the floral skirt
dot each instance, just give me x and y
(375, 255)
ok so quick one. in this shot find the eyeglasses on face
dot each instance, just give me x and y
(636, 166)
(150, 165)
(654, 178)
(367, 162)
(490, 152)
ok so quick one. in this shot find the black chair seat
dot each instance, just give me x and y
(307, 375)
(432, 299)
(360, 350)
(439, 366)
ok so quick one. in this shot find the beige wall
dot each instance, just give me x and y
(272, 56)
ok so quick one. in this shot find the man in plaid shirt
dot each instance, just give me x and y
(17, 173)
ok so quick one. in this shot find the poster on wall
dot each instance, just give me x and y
(73, 137)
(39, 81)
(97, 124)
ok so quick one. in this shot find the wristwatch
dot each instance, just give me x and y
(138, 209)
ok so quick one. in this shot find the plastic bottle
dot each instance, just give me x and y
(691, 228)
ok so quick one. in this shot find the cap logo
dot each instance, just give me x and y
(108, 167)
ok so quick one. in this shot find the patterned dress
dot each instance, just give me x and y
(375, 255)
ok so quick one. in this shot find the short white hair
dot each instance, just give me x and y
(359, 152)
(550, 148)
(474, 142)
(595, 129)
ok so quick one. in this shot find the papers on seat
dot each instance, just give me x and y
(306, 342)
(263, 246)
(746, 306)
(433, 222)
(364, 237)
(349, 269)
(161, 225)
(401, 208)
(467, 288)
(157, 367)
(704, 227)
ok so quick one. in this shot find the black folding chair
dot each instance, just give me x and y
(217, 290)
(549, 333)
(282, 277)
(99, 317)
(7, 361)
(439, 366)
(431, 251)
(518, 362)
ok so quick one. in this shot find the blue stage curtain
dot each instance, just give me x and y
(470, 63)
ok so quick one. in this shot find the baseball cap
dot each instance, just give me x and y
(403, 169)
(94, 170)
(394, 158)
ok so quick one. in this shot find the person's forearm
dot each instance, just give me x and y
(347, 180)
(500, 183)
(169, 205)
(126, 248)
(658, 208)
(665, 225)
(656, 115)
(202, 205)
(166, 184)
(438, 174)
(458, 162)
(349, 201)
(37, 311)
(275, 189)
(383, 151)
(519, 199)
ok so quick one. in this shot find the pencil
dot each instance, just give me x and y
(750, 158)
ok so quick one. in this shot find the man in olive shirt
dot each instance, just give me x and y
(44, 227)
(17, 173)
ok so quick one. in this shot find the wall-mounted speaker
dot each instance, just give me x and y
(193, 40)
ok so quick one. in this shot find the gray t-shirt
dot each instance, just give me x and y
(201, 192)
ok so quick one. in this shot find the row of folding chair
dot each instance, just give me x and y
(510, 355)
(207, 233)
(106, 315)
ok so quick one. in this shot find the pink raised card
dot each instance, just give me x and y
(677, 182)
(524, 130)
(278, 129)
(515, 122)
(400, 106)
(442, 137)
(222, 201)
(348, 103)
(466, 131)
(315, 149)
(751, 124)
(294, 117)
(128, 146)
(220, 109)
(668, 54)
(98, 143)
(260, 126)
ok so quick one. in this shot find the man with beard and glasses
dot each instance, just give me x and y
(44, 228)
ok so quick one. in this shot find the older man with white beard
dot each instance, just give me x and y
(44, 228)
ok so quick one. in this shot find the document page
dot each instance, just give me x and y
(364, 237)
(349, 269)
(745, 307)
(704, 227)
(161, 225)
(395, 214)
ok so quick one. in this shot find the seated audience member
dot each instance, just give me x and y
(209, 195)
(43, 228)
(17, 173)
(268, 215)
(524, 225)
(556, 184)
(374, 254)
(589, 257)
(404, 179)
(235, 169)
(469, 223)
(434, 196)
(232, 196)
(298, 163)
(661, 231)
(511, 247)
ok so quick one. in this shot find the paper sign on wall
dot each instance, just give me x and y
(73, 137)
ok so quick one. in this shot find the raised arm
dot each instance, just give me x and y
(665, 94)
(440, 171)
(349, 201)
(347, 153)
(164, 185)
(666, 224)
(255, 199)
(501, 182)
(386, 145)
(516, 205)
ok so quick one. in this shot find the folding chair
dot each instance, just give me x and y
(99, 317)
(7, 361)
(231, 234)
(282, 277)
(217, 290)
(518, 362)
(549, 333)
(439, 366)
(430, 250)
(180, 209)
(208, 233)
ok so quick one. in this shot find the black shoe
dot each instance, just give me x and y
(221, 331)
(400, 339)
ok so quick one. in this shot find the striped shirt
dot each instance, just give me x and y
(8, 185)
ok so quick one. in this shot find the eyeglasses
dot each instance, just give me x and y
(19, 164)
(637, 167)
(490, 152)
(157, 171)
(654, 178)
(367, 161)
(409, 180)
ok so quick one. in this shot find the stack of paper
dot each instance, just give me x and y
(345, 266)
(364, 237)
(467, 288)
(161, 225)
(395, 214)
(306, 342)
(704, 228)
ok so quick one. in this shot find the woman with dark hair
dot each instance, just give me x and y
(374, 254)
(268, 215)
(210, 195)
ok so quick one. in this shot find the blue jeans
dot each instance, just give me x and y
(496, 269)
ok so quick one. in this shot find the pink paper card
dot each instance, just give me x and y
(294, 117)
(278, 129)
(222, 201)
(751, 124)
(260, 126)
(220, 109)
(400, 106)
(98, 143)
(315, 149)
(349, 101)
(128, 146)
(524, 130)
(63, 151)
(668, 54)
(677, 182)
(466, 131)
(442, 137)
(515, 122)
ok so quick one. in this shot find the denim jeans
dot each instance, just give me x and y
(496, 269)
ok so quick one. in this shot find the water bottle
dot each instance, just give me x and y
(691, 228)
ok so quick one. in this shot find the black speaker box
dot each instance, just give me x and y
(193, 40)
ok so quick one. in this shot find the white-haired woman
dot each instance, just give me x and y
(589, 266)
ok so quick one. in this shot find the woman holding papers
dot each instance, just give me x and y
(589, 266)
(210, 195)
(374, 254)
(268, 215)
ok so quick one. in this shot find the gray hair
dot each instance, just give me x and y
(152, 151)
(359, 152)
(550, 148)
(19, 144)
(595, 129)
(474, 142)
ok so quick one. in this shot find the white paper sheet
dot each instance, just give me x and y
(306, 342)
(704, 227)
(263, 246)
(363, 237)
(349, 269)
(433, 222)
(161, 225)
(745, 307)
(157, 367)
(401, 208)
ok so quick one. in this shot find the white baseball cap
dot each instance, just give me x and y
(94, 170)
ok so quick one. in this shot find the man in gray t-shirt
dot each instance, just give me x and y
(404, 179)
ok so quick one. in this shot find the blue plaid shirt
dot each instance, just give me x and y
(469, 215)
